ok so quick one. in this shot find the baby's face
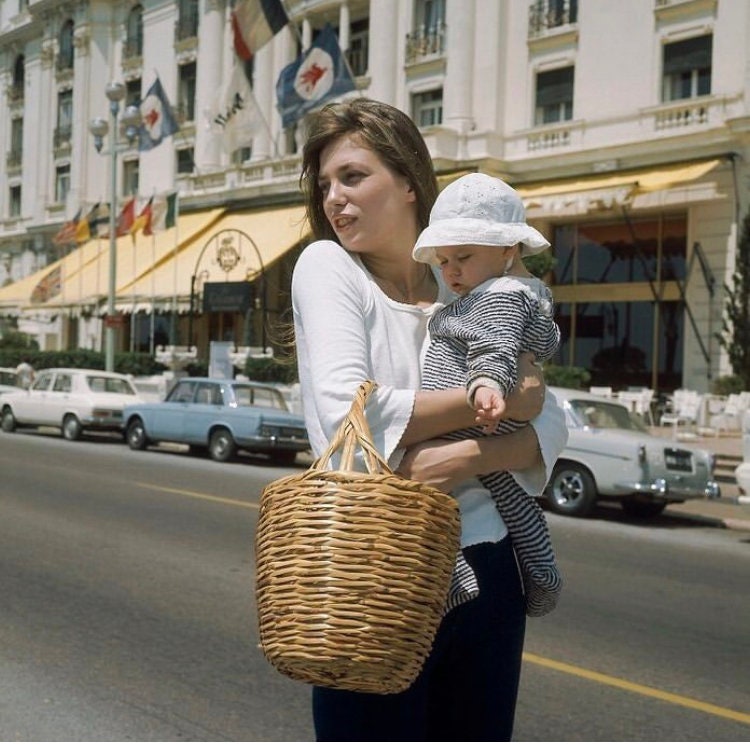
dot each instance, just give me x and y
(465, 267)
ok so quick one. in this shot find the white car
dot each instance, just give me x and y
(8, 380)
(742, 472)
(75, 400)
(611, 456)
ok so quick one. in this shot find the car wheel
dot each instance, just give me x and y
(71, 427)
(642, 508)
(135, 435)
(222, 446)
(8, 421)
(571, 490)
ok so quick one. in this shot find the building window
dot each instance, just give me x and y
(548, 14)
(15, 155)
(186, 92)
(603, 283)
(554, 96)
(427, 108)
(242, 155)
(185, 162)
(687, 68)
(130, 175)
(14, 201)
(16, 90)
(187, 22)
(133, 92)
(134, 33)
(428, 37)
(62, 183)
(64, 129)
(358, 51)
(65, 41)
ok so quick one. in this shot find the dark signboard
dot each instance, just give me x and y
(227, 297)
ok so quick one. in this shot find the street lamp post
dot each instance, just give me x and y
(131, 120)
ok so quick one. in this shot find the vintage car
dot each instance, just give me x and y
(221, 416)
(611, 456)
(742, 472)
(8, 380)
(73, 399)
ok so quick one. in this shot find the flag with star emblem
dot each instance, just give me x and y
(158, 119)
(314, 78)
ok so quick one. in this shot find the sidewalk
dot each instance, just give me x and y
(727, 511)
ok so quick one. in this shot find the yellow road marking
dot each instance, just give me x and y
(563, 667)
(626, 685)
(200, 495)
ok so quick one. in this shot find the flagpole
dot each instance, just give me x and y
(153, 291)
(134, 316)
(173, 319)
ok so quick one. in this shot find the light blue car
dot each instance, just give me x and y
(220, 416)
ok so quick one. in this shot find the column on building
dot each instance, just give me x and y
(384, 54)
(81, 140)
(344, 30)
(457, 99)
(214, 66)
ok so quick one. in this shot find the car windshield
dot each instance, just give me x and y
(8, 377)
(102, 384)
(248, 395)
(603, 415)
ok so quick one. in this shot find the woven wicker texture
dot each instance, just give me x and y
(353, 569)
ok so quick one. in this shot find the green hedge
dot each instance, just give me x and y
(270, 370)
(566, 377)
(136, 363)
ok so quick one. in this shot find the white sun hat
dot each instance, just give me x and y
(477, 209)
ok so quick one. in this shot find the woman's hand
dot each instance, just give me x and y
(527, 398)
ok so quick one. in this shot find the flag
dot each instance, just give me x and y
(67, 233)
(48, 286)
(158, 119)
(88, 225)
(316, 76)
(255, 23)
(99, 222)
(163, 214)
(143, 220)
(235, 118)
(124, 221)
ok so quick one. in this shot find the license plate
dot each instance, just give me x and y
(678, 460)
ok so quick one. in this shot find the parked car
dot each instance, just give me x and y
(221, 416)
(611, 455)
(8, 380)
(75, 400)
(742, 472)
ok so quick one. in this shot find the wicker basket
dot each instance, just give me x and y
(353, 569)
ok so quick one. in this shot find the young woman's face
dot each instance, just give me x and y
(369, 207)
(466, 267)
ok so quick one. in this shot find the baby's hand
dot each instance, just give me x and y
(490, 407)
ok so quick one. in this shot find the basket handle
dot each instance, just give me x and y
(354, 431)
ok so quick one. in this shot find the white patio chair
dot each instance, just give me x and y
(685, 409)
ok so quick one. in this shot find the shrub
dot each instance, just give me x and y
(728, 384)
(270, 370)
(566, 377)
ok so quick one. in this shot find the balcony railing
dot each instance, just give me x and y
(545, 15)
(425, 43)
(186, 27)
(62, 136)
(14, 157)
(133, 48)
(15, 93)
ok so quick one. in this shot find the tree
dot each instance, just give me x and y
(735, 327)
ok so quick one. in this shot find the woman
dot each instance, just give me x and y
(361, 307)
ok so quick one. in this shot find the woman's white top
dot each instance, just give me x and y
(347, 330)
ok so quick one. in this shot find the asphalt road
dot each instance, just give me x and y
(126, 612)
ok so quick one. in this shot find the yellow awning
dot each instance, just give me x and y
(623, 184)
(271, 230)
(81, 279)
